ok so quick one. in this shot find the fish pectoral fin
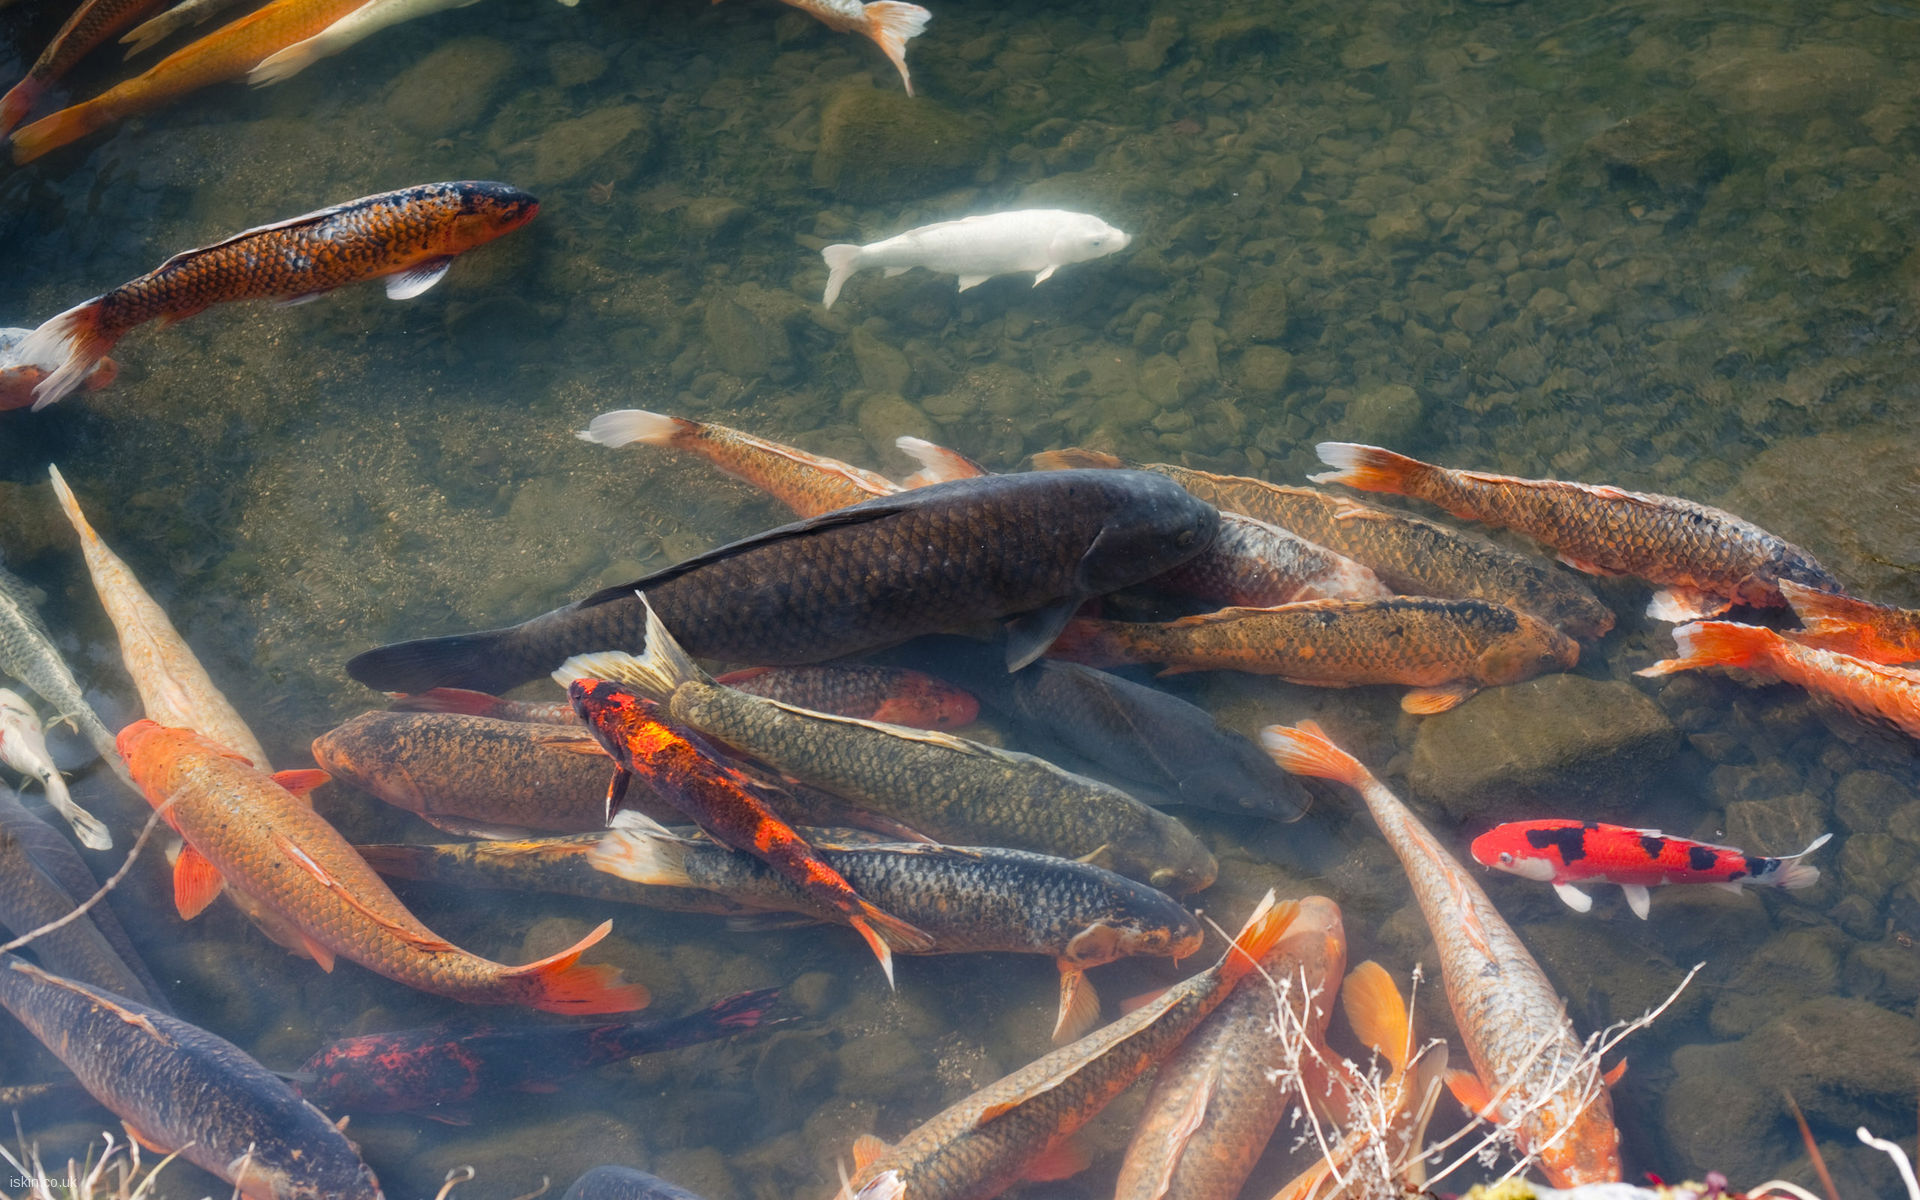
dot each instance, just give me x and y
(1029, 634)
(1730, 886)
(867, 1150)
(1099, 856)
(302, 298)
(1473, 1095)
(1637, 899)
(1045, 273)
(405, 285)
(1678, 604)
(318, 953)
(890, 272)
(195, 883)
(1136, 1003)
(1377, 1013)
(617, 791)
(1584, 567)
(972, 281)
(1079, 1005)
(1613, 1077)
(1429, 700)
(1062, 1160)
(1573, 897)
(147, 1141)
(302, 783)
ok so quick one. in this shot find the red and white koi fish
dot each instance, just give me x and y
(1564, 853)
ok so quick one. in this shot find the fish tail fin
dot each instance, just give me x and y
(1715, 644)
(892, 24)
(1369, 468)
(1378, 1013)
(1836, 621)
(937, 463)
(624, 426)
(148, 34)
(464, 660)
(557, 983)
(67, 125)
(71, 507)
(1305, 750)
(397, 861)
(76, 339)
(656, 673)
(1794, 873)
(1074, 456)
(1266, 926)
(842, 261)
(19, 101)
(643, 857)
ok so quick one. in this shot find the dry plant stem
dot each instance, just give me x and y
(1813, 1147)
(1782, 1188)
(1899, 1157)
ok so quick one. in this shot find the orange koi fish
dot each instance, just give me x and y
(227, 53)
(1528, 1062)
(409, 237)
(92, 23)
(1875, 691)
(890, 23)
(725, 802)
(1705, 559)
(1853, 626)
(260, 834)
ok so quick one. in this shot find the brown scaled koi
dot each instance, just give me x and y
(417, 1069)
(725, 802)
(409, 237)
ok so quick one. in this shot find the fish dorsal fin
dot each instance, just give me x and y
(195, 883)
(100, 1000)
(313, 218)
(867, 1150)
(1187, 1121)
(305, 862)
(878, 509)
(1377, 1013)
(1470, 923)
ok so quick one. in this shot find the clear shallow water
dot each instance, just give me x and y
(1651, 245)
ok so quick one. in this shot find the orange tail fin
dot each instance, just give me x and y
(1266, 926)
(51, 133)
(75, 339)
(1850, 625)
(18, 102)
(1073, 456)
(1305, 750)
(1716, 644)
(891, 24)
(557, 984)
(1369, 468)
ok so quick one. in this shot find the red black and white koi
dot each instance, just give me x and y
(1564, 853)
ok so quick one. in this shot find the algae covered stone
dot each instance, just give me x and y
(883, 145)
(442, 92)
(1561, 737)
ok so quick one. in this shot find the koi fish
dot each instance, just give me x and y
(226, 53)
(1850, 625)
(977, 248)
(967, 899)
(1446, 649)
(27, 654)
(942, 786)
(1030, 547)
(1564, 853)
(624, 1183)
(179, 1088)
(23, 746)
(362, 23)
(1527, 1060)
(92, 23)
(1216, 1102)
(1012, 1129)
(1411, 555)
(809, 484)
(18, 377)
(1706, 559)
(725, 802)
(1881, 693)
(890, 23)
(408, 237)
(444, 1067)
(174, 688)
(262, 836)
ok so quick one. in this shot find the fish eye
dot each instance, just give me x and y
(1184, 538)
(1506, 858)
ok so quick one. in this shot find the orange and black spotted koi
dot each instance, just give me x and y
(725, 802)
(442, 1067)
(1564, 853)
(409, 237)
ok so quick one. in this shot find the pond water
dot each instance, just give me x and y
(1666, 246)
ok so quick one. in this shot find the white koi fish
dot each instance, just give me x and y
(977, 248)
(23, 746)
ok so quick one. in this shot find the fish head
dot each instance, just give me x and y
(629, 726)
(1533, 648)
(486, 210)
(1506, 849)
(1154, 526)
(1589, 1150)
(1083, 238)
(1156, 928)
(16, 712)
(1195, 872)
(353, 1180)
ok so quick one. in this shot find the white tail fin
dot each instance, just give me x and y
(937, 463)
(842, 261)
(68, 345)
(891, 24)
(625, 426)
(1793, 873)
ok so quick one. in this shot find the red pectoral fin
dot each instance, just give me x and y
(195, 883)
(1062, 1160)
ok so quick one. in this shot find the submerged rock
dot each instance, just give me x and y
(1561, 737)
(884, 145)
(444, 91)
